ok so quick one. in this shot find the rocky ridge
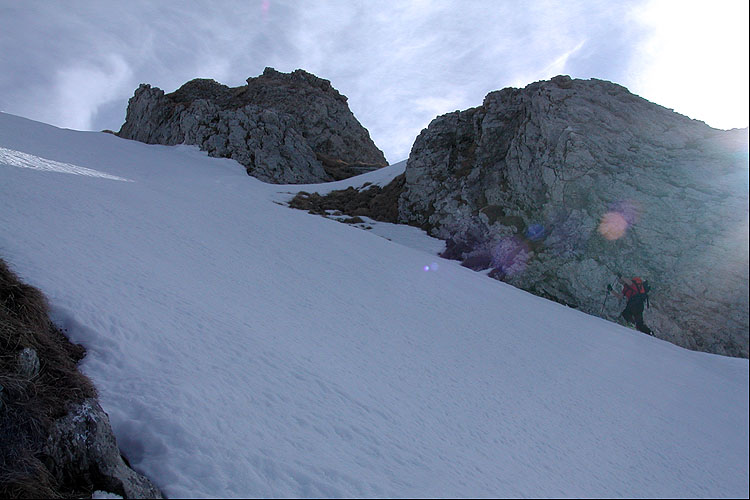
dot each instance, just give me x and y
(284, 128)
(556, 186)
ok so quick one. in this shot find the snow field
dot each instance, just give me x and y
(244, 349)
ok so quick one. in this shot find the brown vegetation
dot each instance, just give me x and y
(30, 402)
(374, 202)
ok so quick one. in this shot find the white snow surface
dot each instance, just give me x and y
(245, 349)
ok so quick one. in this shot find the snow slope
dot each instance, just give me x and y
(244, 349)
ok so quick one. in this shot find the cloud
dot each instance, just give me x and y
(80, 90)
(695, 59)
(400, 63)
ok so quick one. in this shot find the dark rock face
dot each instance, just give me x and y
(561, 184)
(81, 447)
(284, 128)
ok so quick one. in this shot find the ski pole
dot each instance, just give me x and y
(606, 296)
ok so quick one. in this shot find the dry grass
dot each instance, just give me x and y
(29, 405)
(374, 202)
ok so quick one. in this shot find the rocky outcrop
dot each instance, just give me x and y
(81, 447)
(560, 184)
(284, 128)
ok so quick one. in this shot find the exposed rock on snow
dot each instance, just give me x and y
(82, 445)
(558, 185)
(284, 128)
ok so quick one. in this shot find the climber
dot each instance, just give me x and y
(636, 291)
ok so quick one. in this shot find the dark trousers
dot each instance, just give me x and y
(633, 312)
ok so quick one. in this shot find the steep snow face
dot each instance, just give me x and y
(243, 349)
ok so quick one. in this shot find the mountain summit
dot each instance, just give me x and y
(286, 128)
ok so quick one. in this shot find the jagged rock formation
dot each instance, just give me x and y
(284, 128)
(55, 439)
(558, 185)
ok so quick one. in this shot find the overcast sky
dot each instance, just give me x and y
(75, 63)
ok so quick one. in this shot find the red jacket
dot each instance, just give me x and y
(636, 288)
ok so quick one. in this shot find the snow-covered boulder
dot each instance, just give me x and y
(561, 184)
(284, 128)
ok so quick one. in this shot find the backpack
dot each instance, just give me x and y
(646, 289)
(640, 287)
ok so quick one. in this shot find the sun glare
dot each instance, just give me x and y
(695, 59)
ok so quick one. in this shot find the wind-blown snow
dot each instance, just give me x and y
(244, 349)
(13, 158)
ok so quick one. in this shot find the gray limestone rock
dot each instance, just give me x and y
(82, 446)
(560, 184)
(284, 128)
(28, 363)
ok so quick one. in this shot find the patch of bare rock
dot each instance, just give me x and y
(285, 128)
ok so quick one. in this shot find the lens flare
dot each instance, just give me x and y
(613, 226)
(510, 256)
(535, 232)
(621, 216)
(628, 209)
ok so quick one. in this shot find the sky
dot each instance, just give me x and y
(75, 64)
(243, 349)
